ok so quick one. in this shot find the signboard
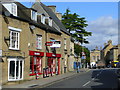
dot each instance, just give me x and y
(48, 43)
(56, 44)
(36, 53)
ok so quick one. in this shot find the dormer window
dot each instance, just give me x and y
(11, 7)
(43, 19)
(14, 9)
(33, 15)
(48, 21)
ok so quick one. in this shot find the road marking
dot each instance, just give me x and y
(86, 83)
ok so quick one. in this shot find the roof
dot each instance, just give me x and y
(54, 17)
(114, 47)
(25, 15)
(105, 47)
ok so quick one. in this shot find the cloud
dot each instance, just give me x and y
(103, 29)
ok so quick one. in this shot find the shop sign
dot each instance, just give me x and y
(53, 55)
(36, 53)
(56, 44)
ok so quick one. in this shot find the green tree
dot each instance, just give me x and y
(76, 24)
(78, 50)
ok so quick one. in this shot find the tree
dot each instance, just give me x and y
(76, 26)
(79, 49)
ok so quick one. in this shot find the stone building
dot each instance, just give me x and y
(50, 11)
(26, 38)
(114, 53)
(105, 52)
(94, 57)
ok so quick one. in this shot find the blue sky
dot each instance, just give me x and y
(90, 10)
(101, 16)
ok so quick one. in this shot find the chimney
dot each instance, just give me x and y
(105, 44)
(96, 48)
(59, 15)
(53, 8)
(110, 42)
(37, 0)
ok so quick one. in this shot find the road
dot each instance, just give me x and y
(96, 78)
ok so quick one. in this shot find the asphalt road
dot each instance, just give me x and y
(96, 78)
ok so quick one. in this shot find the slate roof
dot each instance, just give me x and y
(54, 17)
(25, 15)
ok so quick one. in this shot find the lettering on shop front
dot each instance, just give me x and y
(37, 53)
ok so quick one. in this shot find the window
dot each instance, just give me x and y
(14, 40)
(97, 57)
(15, 69)
(39, 42)
(33, 15)
(35, 65)
(93, 57)
(14, 9)
(65, 43)
(43, 19)
(50, 22)
(46, 20)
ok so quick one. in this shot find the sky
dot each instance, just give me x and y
(101, 16)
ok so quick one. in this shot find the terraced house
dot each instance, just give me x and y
(28, 42)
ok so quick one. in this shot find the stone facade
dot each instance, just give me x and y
(21, 63)
(94, 56)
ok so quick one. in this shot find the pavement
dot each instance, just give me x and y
(42, 82)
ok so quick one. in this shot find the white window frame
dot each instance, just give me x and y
(47, 18)
(50, 22)
(11, 7)
(34, 17)
(43, 19)
(39, 41)
(14, 9)
(15, 60)
(17, 42)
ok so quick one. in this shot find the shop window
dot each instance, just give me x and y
(15, 69)
(35, 65)
(39, 42)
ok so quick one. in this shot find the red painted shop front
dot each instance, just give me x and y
(54, 62)
(35, 62)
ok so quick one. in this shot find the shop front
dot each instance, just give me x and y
(53, 63)
(35, 62)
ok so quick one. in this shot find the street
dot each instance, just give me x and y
(95, 78)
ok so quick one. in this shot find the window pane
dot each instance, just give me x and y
(12, 70)
(21, 69)
(17, 69)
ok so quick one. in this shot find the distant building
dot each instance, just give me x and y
(94, 56)
(105, 52)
